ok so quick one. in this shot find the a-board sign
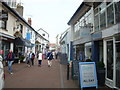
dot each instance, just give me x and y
(88, 77)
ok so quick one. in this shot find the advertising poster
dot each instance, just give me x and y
(88, 77)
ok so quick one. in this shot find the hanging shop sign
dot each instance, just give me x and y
(3, 15)
(88, 77)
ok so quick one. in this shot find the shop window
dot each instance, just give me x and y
(3, 24)
(110, 15)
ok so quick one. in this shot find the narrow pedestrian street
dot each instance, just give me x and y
(38, 77)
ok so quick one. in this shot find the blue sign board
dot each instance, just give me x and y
(28, 36)
(88, 77)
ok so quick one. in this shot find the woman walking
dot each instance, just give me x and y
(40, 55)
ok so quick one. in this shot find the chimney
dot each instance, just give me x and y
(30, 21)
(19, 9)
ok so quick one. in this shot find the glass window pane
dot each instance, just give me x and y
(117, 11)
(110, 15)
(96, 23)
(110, 60)
(102, 20)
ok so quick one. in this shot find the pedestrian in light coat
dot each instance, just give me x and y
(40, 58)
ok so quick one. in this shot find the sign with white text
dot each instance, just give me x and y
(88, 77)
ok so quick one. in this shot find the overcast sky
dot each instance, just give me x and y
(51, 15)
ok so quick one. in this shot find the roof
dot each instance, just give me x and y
(21, 18)
(83, 8)
(16, 13)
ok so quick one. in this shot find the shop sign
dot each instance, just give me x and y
(1, 51)
(3, 15)
(97, 35)
(28, 36)
(88, 77)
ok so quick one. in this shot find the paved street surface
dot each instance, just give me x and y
(38, 77)
(41, 77)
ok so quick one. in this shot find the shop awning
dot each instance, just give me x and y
(27, 43)
(22, 42)
(19, 41)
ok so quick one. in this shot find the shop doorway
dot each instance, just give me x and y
(110, 59)
(117, 64)
(80, 54)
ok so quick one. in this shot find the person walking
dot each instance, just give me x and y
(28, 60)
(49, 57)
(32, 57)
(40, 58)
(10, 59)
(56, 54)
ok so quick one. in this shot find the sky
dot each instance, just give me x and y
(50, 15)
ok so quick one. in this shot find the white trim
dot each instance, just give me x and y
(114, 63)
(108, 82)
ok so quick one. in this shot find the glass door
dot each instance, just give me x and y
(110, 60)
(117, 45)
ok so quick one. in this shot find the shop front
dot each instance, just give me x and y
(6, 44)
(112, 60)
(21, 45)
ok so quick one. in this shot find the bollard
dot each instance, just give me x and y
(68, 71)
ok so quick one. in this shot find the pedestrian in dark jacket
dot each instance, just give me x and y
(10, 59)
(32, 57)
(49, 57)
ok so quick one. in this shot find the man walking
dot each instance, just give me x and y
(49, 57)
(10, 59)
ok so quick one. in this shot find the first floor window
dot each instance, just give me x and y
(3, 24)
(96, 23)
(117, 11)
(110, 15)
